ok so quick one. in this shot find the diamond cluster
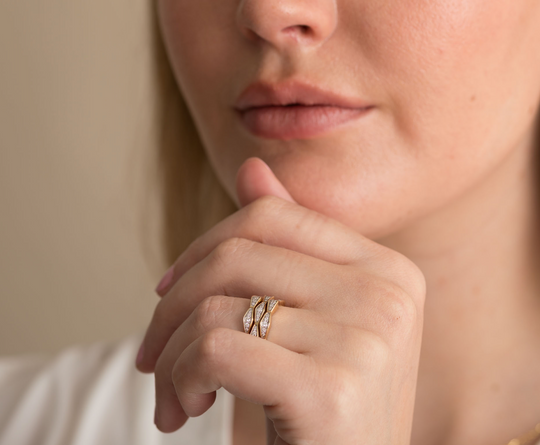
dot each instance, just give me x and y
(264, 325)
(272, 305)
(258, 316)
(259, 311)
(248, 316)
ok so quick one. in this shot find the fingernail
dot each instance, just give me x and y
(166, 280)
(140, 355)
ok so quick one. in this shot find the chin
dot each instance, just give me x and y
(353, 202)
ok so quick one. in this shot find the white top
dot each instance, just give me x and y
(93, 395)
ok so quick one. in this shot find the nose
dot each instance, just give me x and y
(282, 23)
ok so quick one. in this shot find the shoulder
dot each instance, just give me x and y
(88, 395)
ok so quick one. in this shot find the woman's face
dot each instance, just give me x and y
(453, 87)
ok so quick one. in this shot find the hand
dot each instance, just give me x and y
(340, 362)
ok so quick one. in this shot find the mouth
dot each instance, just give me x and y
(295, 110)
(297, 121)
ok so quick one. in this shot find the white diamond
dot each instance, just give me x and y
(254, 331)
(272, 305)
(265, 320)
(259, 311)
(264, 324)
(248, 318)
(266, 298)
(254, 300)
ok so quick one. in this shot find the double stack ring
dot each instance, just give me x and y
(258, 317)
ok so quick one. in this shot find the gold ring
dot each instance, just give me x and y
(266, 320)
(258, 317)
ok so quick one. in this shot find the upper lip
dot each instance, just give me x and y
(264, 94)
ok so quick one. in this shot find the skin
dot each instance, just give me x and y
(438, 178)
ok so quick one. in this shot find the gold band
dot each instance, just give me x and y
(266, 320)
(258, 318)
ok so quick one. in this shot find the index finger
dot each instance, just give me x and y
(277, 222)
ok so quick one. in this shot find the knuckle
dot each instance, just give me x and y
(226, 250)
(361, 348)
(386, 307)
(340, 392)
(416, 284)
(315, 220)
(209, 311)
(264, 205)
(214, 345)
(374, 350)
(398, 309)
(304, 222)
(209, 351)
(259, 216)
(410, 277)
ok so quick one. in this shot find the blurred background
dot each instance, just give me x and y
(79, 213)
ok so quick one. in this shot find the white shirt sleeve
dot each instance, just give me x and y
(94, 396)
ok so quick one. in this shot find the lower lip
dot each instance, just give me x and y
(297, 121)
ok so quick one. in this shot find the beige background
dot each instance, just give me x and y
(75, 155)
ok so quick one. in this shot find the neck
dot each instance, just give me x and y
(480, 358)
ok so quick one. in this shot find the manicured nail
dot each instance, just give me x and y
(166, 280)
(140, 355)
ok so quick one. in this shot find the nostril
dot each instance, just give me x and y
(303, 30)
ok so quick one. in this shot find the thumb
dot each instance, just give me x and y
(255, 179)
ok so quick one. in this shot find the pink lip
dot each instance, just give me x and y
(294, 110)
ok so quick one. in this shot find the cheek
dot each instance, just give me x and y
(462, 79)
(460, 84)
(456, 68)
(203, 44)
(212, 63)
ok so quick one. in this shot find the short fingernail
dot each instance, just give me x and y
(166, 280)
(140, 355)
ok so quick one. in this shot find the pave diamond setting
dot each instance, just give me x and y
(259, 311)
(272, 305)
(258, 317)
(255, 300)
(264, 325)
(248, 320)
(249, 315)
